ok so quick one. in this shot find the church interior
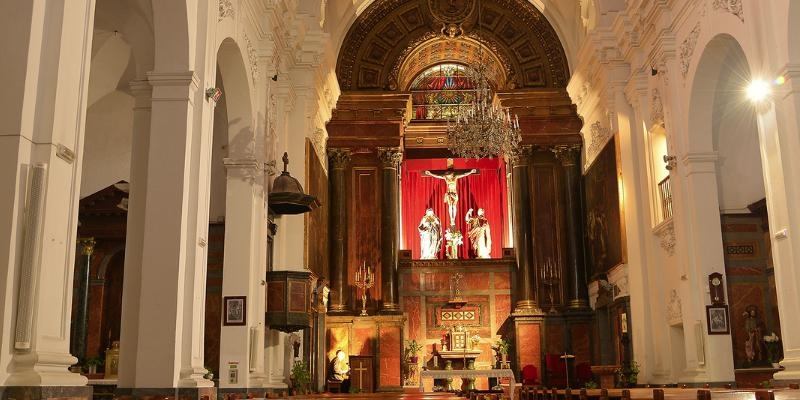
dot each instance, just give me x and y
(399, 198)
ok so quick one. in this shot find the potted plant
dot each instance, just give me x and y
(92, 364)
(502, 347)
(209, 373)
(628, 375)
(772, 341)
(412, 349)
(300, 377)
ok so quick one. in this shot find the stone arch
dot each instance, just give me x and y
(514, 29)
(237, 92)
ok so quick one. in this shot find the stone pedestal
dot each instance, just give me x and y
(606, 373)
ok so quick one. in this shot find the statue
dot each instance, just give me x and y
(753, 329)
(430, 235)
(450, 177)
(339, 370)
(479, 234)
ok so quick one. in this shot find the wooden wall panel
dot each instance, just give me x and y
(364, 231)
(547, 228)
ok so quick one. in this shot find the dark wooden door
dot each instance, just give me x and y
(362, 374)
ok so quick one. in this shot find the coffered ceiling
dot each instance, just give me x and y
(393, 40)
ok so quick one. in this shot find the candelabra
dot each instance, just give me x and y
(551, 276)
(365, 278)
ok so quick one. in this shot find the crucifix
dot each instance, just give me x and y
(360, 369)
(450, 177)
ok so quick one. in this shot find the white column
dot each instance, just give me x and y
(167, 269)
(132, 285)
(779, 135)
(243, 268)
(698, 214)
(42, 117)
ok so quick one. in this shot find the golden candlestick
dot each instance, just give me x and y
(365, 278)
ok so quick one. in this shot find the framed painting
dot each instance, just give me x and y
(718, 321)
(234, 311)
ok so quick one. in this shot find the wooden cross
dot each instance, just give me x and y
(361, 371)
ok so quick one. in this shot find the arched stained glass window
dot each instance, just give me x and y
(438, 91)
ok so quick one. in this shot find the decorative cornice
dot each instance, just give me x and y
(252, 57)
(567, 154)
(225, 9)
(600, 136)
(339, 158)
(656, 109)
(522, 157)
(687, 49)
(732, 6)
(243, 163)
(666, 236)
(390, 157)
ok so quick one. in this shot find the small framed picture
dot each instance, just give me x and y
(718, 321)
(234, 311)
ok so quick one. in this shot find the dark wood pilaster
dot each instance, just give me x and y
(390, 158)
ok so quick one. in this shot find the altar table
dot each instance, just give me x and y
(469, 373)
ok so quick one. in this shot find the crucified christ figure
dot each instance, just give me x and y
(450, 177)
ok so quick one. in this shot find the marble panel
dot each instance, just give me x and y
(389, 360)
(502, 280)
(502, 308)
(412, 308)
(528, 344)
(475, 281)
(363, 340)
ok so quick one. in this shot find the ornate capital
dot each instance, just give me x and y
(87, 246)
(568, 154)
(521, 157)
(390, 157)
(339, 158)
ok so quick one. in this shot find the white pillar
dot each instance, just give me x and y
(42, 117)
(243, 270)
(779, 135)
(140, 148)
(168, 271)
(697, 213)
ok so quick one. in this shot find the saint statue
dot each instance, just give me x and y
(430, 235)
(340, 369)
(450, 177)
(479, 234)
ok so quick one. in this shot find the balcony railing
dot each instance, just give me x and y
(665, 194)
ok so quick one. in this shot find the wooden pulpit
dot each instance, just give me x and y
(362, 374)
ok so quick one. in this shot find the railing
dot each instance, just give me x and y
(665, 194)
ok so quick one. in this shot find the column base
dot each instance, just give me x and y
(338, 309)
(46, 392)
(527, 307)
(194, 378)
(578, 304)
(45, 370)
(390, 308)
(790, 373)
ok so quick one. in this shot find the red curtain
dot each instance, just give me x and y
(486, 190)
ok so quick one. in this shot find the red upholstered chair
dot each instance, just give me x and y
(530, 375)
(555, 367)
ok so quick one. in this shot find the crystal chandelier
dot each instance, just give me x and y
(483, 128)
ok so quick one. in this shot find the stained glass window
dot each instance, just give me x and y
(438, 91)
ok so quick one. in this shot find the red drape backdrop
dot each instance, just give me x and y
(486, 190)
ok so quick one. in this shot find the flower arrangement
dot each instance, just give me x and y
(475, 339)
(455, 237)
(502, 346)
(772, 341)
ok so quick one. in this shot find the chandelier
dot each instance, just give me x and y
(483, 128)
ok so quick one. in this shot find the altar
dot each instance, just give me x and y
(470, 374)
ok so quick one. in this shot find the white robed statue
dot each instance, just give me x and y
(479, 234)
(430, 236)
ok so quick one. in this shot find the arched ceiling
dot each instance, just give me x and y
(393, 40)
